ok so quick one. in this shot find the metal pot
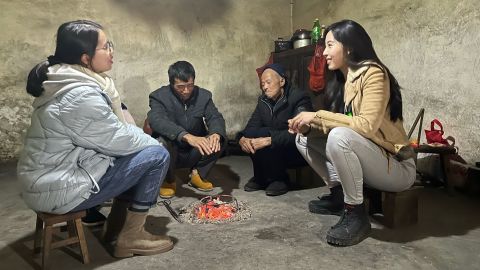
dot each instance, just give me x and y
(301, 38)
(301, 43)
(282, 45)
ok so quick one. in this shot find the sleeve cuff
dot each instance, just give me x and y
(180, 136)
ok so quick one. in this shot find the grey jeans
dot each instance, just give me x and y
(347, 158)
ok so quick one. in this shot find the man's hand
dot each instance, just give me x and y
(202, 144)
(252, 145)
(246, 145)
(214, 142)
(301, 122)
(259, 143)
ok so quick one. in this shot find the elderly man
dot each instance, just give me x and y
(266, 137)
(190, 125)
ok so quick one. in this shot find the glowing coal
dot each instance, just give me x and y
(215, 209)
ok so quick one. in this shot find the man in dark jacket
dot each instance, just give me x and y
(187, 121)
(266, 137)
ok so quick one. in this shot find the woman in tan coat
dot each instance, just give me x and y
(365, 143)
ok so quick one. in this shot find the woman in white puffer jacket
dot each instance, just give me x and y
(79, 151)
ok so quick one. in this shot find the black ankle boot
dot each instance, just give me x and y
(352, 228)
(331, 204)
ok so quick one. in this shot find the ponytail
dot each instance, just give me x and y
(36, 77)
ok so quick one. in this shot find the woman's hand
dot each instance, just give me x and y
(301, 122)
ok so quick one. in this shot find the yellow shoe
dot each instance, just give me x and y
(197, 182)
(167, 190)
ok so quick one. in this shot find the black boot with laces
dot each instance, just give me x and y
(352, 228)
(331, 204)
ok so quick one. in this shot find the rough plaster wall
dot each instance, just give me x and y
(431, 47)
(225, 40)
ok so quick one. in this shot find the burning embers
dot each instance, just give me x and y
(215, 209)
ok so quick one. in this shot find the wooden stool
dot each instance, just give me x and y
(45, 224)
(396, 209)
(400, 208)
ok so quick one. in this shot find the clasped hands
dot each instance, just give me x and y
(205, 145)
(250, 145)
(301, 122)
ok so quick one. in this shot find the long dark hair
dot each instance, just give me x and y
(334, 92)
(74, 39)
(357, 42)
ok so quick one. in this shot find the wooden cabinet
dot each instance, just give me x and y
(296, 62)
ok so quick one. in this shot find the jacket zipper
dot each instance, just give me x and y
(186, 118)
(272, 108)
(95, 184)
(268, 105)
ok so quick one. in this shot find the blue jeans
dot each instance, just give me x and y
(135, 178)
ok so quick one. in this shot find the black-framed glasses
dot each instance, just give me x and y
(189, 86)
(108, 46)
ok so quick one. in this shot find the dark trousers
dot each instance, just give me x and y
(183, 155)
(271, 164)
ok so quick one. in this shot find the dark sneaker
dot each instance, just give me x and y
(93, 218)
(331, 204)
(253, 185)
(276, 188)
(352, 228)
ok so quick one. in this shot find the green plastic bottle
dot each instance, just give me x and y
(316, 35)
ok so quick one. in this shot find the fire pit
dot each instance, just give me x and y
(215, 209)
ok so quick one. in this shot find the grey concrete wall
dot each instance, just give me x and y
(224, 39)
(431, 46)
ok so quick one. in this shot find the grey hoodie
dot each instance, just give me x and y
(73, 138)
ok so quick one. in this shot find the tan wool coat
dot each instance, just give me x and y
(368, 90)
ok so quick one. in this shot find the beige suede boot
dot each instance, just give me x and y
(134, 240)
(115, 220)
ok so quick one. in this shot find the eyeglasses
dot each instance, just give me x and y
(108, 46)
(183, 86)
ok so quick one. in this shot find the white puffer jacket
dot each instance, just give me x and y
(73, 139)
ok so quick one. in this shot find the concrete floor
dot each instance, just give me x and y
(281, 234)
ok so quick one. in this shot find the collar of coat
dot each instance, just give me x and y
(355, 73)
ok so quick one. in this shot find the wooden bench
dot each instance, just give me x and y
(44, 226)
